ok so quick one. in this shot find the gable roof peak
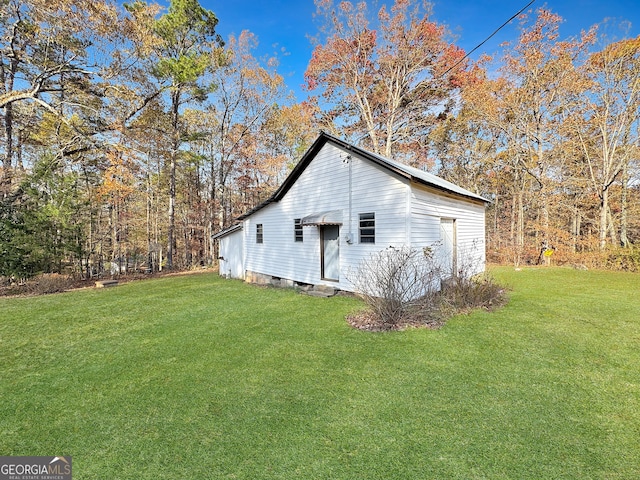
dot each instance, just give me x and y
(402, 169)
(410, 173)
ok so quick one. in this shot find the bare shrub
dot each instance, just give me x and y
(394, 281)
(410, 287)
(623, 259)
(48, 283)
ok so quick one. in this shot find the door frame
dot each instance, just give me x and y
(453, 246)
(322, 252)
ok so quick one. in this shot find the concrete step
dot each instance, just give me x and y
(322, 291)
(315, 293)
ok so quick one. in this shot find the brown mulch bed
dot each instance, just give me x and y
(366, 320)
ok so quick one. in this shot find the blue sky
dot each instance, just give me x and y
(286, 24)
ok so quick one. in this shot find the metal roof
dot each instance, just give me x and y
(227, 231)
(410, 173)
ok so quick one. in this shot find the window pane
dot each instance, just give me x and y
(297, 230)
(367, 228)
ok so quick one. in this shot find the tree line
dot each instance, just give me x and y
(132, 133)
(547, 129)
(552, 140)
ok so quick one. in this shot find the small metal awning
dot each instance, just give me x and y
(332, 217)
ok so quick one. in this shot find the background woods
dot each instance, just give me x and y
(553, 139)
(130, 133)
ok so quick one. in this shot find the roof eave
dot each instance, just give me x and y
(227, 231)
(471, 198)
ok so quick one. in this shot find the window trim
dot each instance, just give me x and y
(367, 228)
(259, 233)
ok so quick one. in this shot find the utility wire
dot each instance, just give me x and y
(474, 49)
(489, 37)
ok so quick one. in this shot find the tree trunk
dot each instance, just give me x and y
(513, 220)
(6, 173)
(8, 136)
(520, 226)
(212, 210)
(612, 228)
(576, 224)
(496, 206)
(543, 192)
(604, 208)
(114, 235)
(624, 240)
(175, 145)
(150, 266)
(517, 227)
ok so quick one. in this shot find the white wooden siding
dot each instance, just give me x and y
(232, 255)
(427, 208)
(404, 214)
(324, 186)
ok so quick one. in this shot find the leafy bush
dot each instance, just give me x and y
(461, 294)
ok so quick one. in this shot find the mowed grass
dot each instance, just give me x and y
(196, 377)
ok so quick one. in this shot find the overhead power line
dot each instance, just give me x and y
(489, 37)
(471, 51)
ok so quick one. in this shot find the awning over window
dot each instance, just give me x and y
(332, 217)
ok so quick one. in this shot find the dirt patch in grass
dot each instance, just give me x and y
(368, 321)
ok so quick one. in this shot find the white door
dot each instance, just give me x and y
(448, 252)
(330, 239)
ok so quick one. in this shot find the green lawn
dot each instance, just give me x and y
(197, 377)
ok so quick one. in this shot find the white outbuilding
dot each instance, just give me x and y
(339, 205)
